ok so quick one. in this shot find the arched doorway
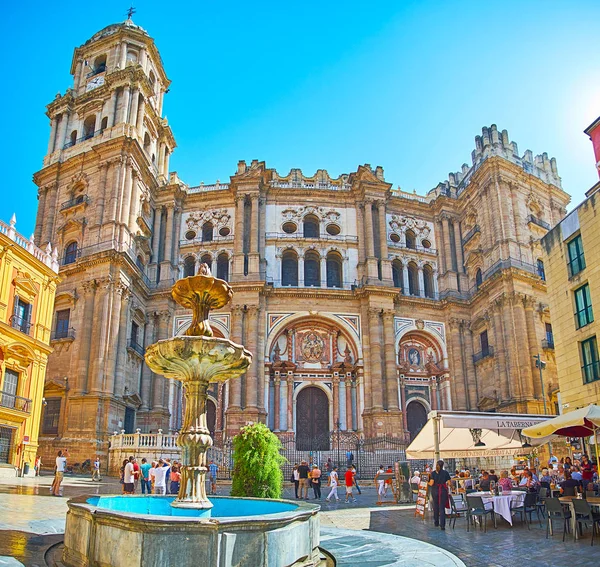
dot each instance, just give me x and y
(416, 418)
(211, 417)
(312, 420)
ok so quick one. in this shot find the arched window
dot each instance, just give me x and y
(289, 268)
(73, 138)
(334, 270)
(207, 232)
(397, 273)
(312, 269)
(104, 123)
(139, 261)
(411, 241)
(223, 267)
(99, 64)
(189, 266)
(311, 226)
(428, 281)
(146, 142)
(541, 270)
(478, 278)
(89, 127)
(70, 253)
(413, 279)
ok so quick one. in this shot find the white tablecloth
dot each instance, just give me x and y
(502, 504)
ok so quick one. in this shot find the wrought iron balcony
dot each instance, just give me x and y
(97, 71)
(20, 323)
(539, 222)
(82, 139)
(489, 352)
(80, 200)
(15, 402)
(62, 334)
(548, 344)
(133, 345)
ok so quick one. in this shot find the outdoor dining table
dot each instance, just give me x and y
(567, 500)
(502, 504)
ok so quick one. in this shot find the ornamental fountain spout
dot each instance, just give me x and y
(197, 359)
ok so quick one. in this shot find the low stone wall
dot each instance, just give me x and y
(100, 537)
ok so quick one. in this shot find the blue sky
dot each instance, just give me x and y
(405, 85)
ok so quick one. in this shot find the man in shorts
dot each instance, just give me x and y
(160, 472)
(129, 477)
(59, 473)
(349, 477)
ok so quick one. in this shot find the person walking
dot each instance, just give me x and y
(315, 478)
(145, 480)
(380, 484)
(96, 469)
(296, 479)
(136, 475)
(439, 483)
(349, 478)
(356, 479)
(333, 483)
(59, 472)
(213, 469)
(38, 465)
(303, 477)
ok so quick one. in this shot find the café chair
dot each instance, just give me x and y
(556, 511)
(458, 507)
(477, 509)
(528, 507)
(583, 513)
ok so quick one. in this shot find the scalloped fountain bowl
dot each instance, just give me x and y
(126, 531)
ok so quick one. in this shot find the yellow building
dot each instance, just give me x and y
(28, 280)
(573, 279)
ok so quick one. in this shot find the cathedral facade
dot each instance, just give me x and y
(365, 306)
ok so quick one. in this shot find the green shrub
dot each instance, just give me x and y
(257, 463)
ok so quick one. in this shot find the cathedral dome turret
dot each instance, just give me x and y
(113, 28)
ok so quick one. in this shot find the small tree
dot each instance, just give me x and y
(257, 463)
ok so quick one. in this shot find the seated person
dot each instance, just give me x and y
(568, 483)
(484, 481)
(545, 479)
(505, 482)
(529, 482)
(575, 473)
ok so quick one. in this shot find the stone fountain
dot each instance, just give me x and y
(197, 359)
(190, 530)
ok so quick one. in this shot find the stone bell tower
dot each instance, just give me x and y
(103, 176)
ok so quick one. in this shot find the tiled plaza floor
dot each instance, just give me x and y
(501, 547)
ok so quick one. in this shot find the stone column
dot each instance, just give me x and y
(103, 167)
(52, 141)
(458, 245)
(405, 282)
(235, 385)
(238, 237)
(140, 116)
(85, 337)
(421, 281)
(121, 347)
(135, 97)
(525, 361)
(124, 218)
(251, 373)
(300, 271)
(147, 376)
(360, 218)
(512, 357)
(500, 351)
(254, 229)
(342, 403)
(471, 374)
(135, 202)
(375, 358)
(39, 219)
(158, 402)
(101, 325)
(323, 269)
(62, 132)
(77, 76)
(391, 372)
(460, 380)
(435, 284)
(283, 407)
(112, 112)
(336, 398)
(348, 401)
(290, 400)
(125, 103)
(169, 235)
(277, 401)
(386, 265)
(369, 240)
(49, 214)
(447, 246)
(534, 345)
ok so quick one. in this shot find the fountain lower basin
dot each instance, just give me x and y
(145, 531)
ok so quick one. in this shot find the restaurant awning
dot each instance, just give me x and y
(449, 435)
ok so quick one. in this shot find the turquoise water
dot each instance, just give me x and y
(161, 506)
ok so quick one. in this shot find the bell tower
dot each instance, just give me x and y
(103, 192)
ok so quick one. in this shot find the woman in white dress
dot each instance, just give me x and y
(333, 482)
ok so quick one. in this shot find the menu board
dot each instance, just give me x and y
(421, 506)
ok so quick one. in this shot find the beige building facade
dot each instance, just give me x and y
(365, 306)
(28, 280)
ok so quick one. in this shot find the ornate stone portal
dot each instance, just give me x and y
(196, 360)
